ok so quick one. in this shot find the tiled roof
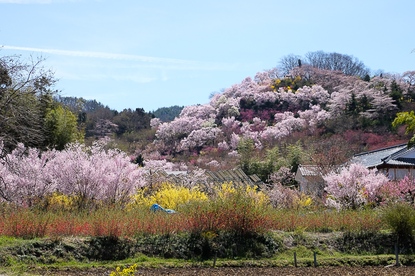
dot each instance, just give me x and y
(237, 176)
(309, 170)
(388, 155)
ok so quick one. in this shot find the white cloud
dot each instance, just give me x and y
(25, 1)
(101, 55)
(35, 1)
(136, 61)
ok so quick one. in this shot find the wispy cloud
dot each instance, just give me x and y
(101, 55)
(142, 61)
(26, 1)
(35, 1)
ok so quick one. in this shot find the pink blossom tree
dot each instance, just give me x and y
(314, 117)
(402, 190)
(94, 173)
(353, 187)
(200, 137)
(24, 175)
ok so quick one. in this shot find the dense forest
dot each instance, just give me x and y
(318, 109)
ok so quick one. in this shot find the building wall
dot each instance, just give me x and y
(398, 173)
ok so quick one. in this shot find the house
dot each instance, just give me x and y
(395, 162)
(310, 179)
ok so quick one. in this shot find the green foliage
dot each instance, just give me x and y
(407, 119)
(291, 156)
(295, 156)
(62, 127)
(400, 217)
(366, 242)
(251, 164)
(130, 120)
(208, 245)
(167, 114)
(24, 96)
(396, 94)
(109, 248)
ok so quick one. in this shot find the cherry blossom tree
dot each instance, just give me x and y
(200, 137)
(199, 111)
(286, 123)
(314, 117)
(230, 125)
(155, 122)
(353, 187)
(281, 196)
(402, 190)
(171, 133)
(24, 175)
(94, 173)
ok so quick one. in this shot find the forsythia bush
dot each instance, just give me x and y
(227, 190)
(58, 201)
(125, 272)
(303, 201)
(169, 196)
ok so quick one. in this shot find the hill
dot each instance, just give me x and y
(305, 111)
(312, 115)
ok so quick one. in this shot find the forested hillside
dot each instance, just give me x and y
(318, 109)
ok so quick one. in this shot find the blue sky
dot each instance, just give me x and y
(159, 53)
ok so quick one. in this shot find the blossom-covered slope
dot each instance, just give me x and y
(273, 110)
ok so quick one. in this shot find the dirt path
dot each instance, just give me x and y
(229, 271)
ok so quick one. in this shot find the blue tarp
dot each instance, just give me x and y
(155, 207)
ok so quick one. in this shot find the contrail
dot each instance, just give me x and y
(26, 1)
(102, 55)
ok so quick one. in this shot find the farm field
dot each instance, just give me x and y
(283, 271)
(248, 241)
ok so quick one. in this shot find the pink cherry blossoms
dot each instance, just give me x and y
(353, 186)
(89, 173)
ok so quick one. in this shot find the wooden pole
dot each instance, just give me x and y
(295, 259)
(315, 259)
(397, 255)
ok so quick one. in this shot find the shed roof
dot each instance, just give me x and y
(309, 170)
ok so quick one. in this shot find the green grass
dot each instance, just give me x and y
(36, 241)
(328, 248)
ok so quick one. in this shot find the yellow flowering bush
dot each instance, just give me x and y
(58, 201)
(227, 190)
(124, 272)
(169, 196)
(303, 201)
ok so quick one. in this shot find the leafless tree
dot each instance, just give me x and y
(349, 65)
(24, 96)
(289, 62)
(345, 64)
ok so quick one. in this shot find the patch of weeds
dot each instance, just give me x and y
(110, 248)
(249, 245)
(208, 245)
(366, 242)
(165, 246)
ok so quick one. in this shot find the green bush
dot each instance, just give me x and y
(208, 245)
(400, 217)
(366, 242)
(110, 248)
